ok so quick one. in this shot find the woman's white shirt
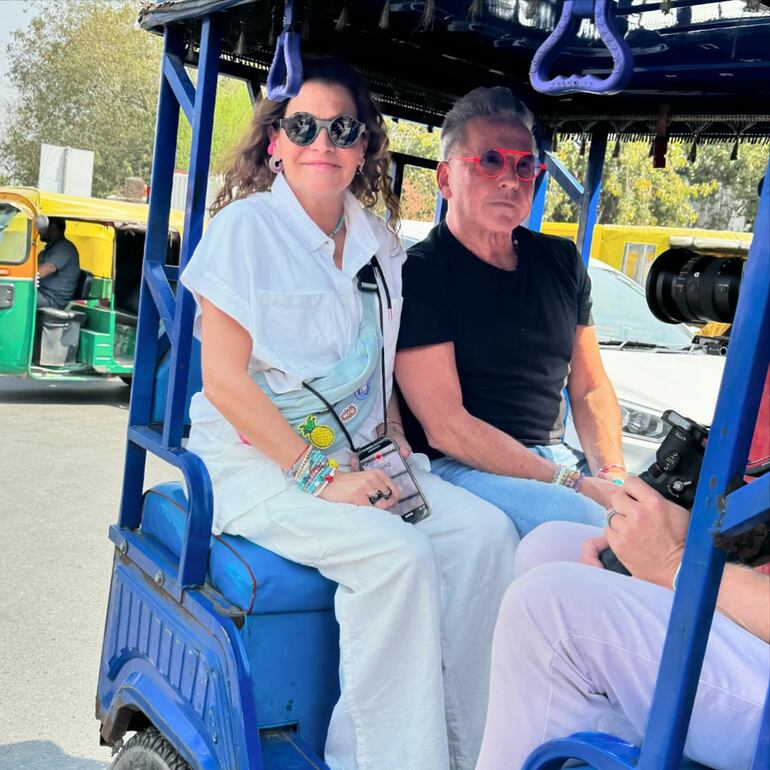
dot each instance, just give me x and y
(265, 263)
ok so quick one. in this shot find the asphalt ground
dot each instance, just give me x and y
(61, 464)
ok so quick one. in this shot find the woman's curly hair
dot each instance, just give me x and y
(249, 170)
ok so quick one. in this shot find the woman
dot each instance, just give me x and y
(578, 648)
(280, 309)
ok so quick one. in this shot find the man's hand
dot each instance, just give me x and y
(394, 433)
(648, 533)
(599, 490)
(590, 550)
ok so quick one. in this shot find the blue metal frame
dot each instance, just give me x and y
(586, 196)
(163, 311)
(198, 622)
(717, 510)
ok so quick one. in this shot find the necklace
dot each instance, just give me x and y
(338, 227)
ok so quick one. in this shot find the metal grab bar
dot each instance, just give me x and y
(573, 12)
(285, 76)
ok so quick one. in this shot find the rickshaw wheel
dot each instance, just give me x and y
(148, 750)
(126, 379)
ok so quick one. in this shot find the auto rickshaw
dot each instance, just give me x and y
(95, 335)
(221, 655)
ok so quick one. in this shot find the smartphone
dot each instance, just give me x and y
(383, 453)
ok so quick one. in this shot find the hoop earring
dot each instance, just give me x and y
(276, 165)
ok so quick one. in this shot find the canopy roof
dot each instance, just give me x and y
(705, 65)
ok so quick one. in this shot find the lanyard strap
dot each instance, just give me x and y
(367, 282)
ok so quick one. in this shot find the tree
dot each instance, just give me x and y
(418, 196)
(633, 192)
(736, 198)
(232, 116)
(84, 77)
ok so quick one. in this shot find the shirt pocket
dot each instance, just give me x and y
(302, 330)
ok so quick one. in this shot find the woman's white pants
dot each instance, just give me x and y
(577, 648)
(416, 606)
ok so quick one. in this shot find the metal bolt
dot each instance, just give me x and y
(159, 578)
(123, 547)
(721, 504)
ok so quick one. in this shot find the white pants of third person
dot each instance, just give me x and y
(577, 648)
(416, 607)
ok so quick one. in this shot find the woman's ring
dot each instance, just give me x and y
(611, 513)
(378, 495)
(387, 495)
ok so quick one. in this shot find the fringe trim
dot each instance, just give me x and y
(385, 15)
(475, 10)
(426, 22)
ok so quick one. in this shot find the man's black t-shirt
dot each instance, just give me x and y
(513, 331)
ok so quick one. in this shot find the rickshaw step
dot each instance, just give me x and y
(284, 750)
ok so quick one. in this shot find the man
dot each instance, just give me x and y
(496, 321)
(578, 648)
(58, 266)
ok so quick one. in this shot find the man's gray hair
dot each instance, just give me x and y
(496, 103)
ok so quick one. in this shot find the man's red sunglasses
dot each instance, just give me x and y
(491, 163)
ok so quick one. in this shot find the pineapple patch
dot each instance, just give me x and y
(320, 436)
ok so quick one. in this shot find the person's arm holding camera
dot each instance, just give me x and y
(647, 534)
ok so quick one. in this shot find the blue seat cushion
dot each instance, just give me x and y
(253, 578)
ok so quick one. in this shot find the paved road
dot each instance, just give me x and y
(61, 453)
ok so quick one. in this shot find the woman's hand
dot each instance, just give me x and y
(357, 487)
(648, 533)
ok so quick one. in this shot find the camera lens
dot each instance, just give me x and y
(686, 287)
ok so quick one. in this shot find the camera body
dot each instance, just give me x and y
(676, 468)
(675, 471)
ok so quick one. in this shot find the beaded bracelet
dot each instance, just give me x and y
(568, 477)
(612, 466)
(312, 471)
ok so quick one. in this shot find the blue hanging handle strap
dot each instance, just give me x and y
(573, 11)
(285, 77)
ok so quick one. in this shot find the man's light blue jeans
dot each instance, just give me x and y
(528, 502)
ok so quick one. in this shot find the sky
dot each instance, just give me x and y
(14, 14)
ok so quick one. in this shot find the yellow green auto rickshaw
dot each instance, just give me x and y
(94, 335)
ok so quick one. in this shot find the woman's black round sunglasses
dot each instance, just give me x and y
(302, 128)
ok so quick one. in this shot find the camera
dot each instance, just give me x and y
(675, 470)
(684, 286)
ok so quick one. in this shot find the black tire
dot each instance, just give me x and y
(148, 750)
(126, 379)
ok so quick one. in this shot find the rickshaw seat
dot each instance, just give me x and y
(256, 580)
(83, 286)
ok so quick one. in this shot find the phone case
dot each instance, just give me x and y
(383, 453)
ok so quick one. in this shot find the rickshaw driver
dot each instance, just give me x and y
(496, 319)
(58, 266)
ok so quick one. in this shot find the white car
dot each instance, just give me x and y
(653, 365)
